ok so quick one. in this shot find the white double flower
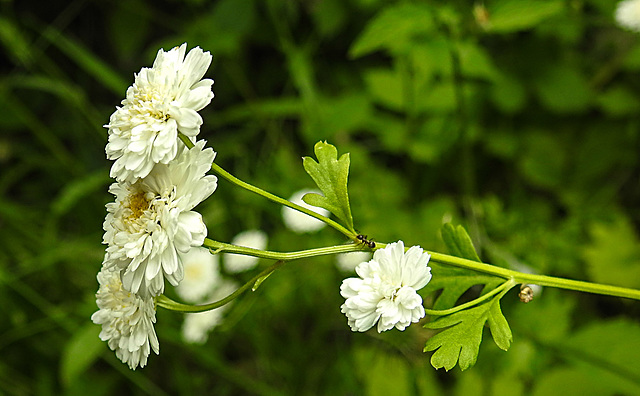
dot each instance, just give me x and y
(386, 290)
(163, 100)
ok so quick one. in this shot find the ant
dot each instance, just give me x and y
(365, 241)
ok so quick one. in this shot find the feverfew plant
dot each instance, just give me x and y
(152, 232)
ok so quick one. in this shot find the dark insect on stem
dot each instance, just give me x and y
(365, 241)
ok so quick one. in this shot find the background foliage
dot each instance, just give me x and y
(517, 118)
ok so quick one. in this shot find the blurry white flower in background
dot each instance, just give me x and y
(127, 320)
(234, 263)
(627, 14)
(386, 290)
(196, 326)
(347, 262)
(201, 274)
(163, 100)
(299, 222)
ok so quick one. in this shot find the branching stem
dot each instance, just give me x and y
(512, 277)
(165, 302)
(272, 197)
(502, 288)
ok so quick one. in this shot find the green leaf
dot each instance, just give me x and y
(619, 101)
(460, 340)
(78, 189)
(543, 160)
(613, 256)
(513, 15)
(508, 94)
(594, 364)
(15, 44)
(385, 87)
(458, 242)
(382, 373)
(80, 352)
(331, 175)
(91, 64)
(564, 89)
(393, 29)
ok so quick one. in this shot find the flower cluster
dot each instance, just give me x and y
(158, 183)
(153, 233)
(386, 290)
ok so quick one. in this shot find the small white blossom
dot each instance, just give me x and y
(628, 14)
(201, 274)
(386, 290)
(127, 320)
(299, 222)
(255, 239)
(196, 326)
(152, 220)
(347, 262)
(163, 100)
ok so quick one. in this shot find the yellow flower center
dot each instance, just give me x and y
(138, 203)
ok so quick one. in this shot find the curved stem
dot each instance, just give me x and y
(221, 247)
(503, 287)
(165, 302)
(272, 197)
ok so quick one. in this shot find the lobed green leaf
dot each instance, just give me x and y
(460, 340)
(331, 175)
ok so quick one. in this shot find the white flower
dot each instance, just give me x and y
(152, 220)
(628, 14)
(235, 263)
(347, 262)
(196, 326)
(127, 320)
(201, 274)
(386, 291)
(299, 222)
(163, 100)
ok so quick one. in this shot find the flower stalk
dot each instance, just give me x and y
(518, 277)
(272, 197)
(541, 280)
(165, 302)
(503, 288)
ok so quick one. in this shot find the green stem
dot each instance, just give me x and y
(165, 302)
(272, 197)
(518, 277)
(506, 286)
(221, 247)
(542, 280)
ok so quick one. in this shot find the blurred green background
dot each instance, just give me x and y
(518, 118)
